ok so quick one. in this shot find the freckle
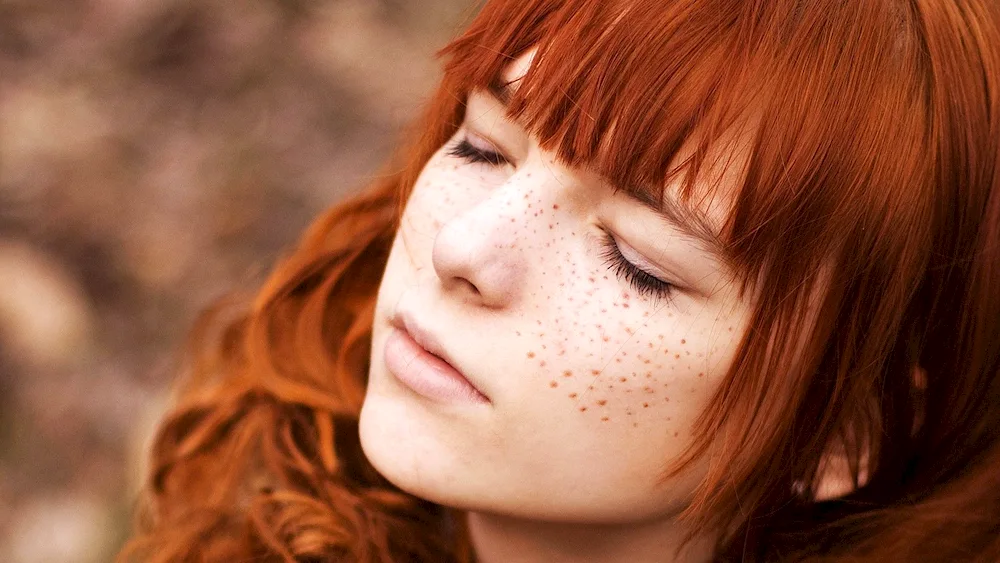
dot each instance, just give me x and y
(646, 361)
(676, 434)
(645, 405)
(591, 280)
(677, 356)
(702, 374)
(651, 346)
(602, 402)
(553, 384)
(649, 390)
(683, 341)
(623, 379)
(666, 399)
(583, 409)
(605, 419)
(550, 227)
(572, 395)
(567, 373)
(555, 206)
(590, 387)
(595, 372)
(618, 360)
(531, 354)
(606, 338)
(730, 329)
(649, 374)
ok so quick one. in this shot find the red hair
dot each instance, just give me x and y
(865, 228)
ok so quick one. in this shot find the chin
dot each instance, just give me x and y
(415, 450)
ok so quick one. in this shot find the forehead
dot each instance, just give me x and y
(517, 69)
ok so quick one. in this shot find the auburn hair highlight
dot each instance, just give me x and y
(865, 228)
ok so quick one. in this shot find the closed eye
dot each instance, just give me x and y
(468, 152)
(642, 282)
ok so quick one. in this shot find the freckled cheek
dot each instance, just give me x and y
(603, 392)
(589, 352)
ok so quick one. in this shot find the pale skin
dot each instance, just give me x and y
(593, 384)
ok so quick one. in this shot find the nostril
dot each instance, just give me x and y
(459, 284)
(470, 286)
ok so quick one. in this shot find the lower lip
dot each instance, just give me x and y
(425, 373)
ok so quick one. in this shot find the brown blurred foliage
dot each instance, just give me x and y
(154, 155)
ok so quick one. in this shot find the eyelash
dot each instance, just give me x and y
(470, 153)
(642, 282)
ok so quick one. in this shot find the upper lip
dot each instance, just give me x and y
(428, 341)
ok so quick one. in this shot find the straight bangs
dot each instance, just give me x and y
(748, 104)
(814, 124)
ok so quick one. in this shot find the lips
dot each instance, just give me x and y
(426, 340)
(417, 358)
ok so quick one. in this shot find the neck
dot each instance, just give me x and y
(502, 539)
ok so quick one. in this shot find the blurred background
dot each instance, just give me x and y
(154, 155)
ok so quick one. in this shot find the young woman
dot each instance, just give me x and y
(686, 280)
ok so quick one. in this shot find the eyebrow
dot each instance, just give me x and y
(502, 91)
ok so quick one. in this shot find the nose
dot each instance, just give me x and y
(478, 254)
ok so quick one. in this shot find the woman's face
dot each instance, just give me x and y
(593, 329)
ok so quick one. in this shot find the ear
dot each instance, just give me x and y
(835, 475)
